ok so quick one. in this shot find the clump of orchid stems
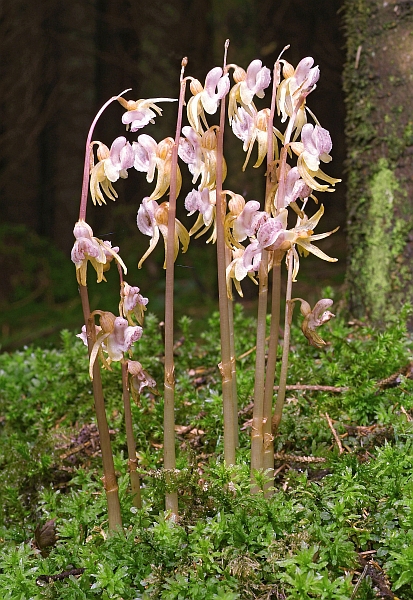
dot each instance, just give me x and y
(252, 238)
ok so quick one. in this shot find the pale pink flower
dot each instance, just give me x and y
(257, 79)
(317, 145)
(141, 112)
(88, 248)
(132, 303)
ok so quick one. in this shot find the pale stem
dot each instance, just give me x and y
(257, 439)
(225, 366)
(276, 293)
(279, 405)
(233, 357)
(171, 498)
(268, 464)
(261, 414)
(109, 476)
(130, 440)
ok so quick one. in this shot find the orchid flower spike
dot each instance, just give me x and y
(89, 248)
(314, 318)
(114, 339)
(132, 304)
(247, 85)
(152, 219)
(141, 112)
(111, 165)
(207, 98)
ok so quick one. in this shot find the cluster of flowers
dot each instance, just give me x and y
(263, 229)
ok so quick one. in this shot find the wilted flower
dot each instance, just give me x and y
(152, 219)
(98, 252)
(314, 318)
(115, 337)
(206, 98)
(139, 379)
(132, 303)
(141, 112)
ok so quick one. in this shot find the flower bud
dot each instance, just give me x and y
(195, 86)
(239, 74)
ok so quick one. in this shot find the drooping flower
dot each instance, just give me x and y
(294, 89)
(114, 339)
(302, 236)
(150, 156)
(253, 127)
(111, 165)
(247, 85)
(152, 219)
(315, 318)
(236, 271)
(132, 303)
(141, 112)
(199, 151)
(89, 248)
(295, 188)
(203, 201)
(206, 98)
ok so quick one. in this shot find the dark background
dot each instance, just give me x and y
(60, 62)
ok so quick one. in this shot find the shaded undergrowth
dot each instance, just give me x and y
(341, 513)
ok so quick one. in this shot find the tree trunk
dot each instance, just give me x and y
(378, 83)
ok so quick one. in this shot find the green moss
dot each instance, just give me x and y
(381, 249)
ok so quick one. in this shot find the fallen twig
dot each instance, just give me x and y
(334, 432)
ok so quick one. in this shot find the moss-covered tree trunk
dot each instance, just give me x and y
(378, 82)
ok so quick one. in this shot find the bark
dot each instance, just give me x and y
(379, 86)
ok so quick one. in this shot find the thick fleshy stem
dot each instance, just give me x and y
(109, 476)
(268, 440)
(225, 366)
(261, 421)
(171, 497)
(289, 307)
(130, 440)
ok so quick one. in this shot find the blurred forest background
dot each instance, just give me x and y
(60, 62)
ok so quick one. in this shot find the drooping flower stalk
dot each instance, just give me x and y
(289, 307)
(229, 402)
(109, 476)
(171, 498)
(130, 440)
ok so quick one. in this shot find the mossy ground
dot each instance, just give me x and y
(334, 519)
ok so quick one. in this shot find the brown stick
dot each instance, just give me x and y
(334, 432)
